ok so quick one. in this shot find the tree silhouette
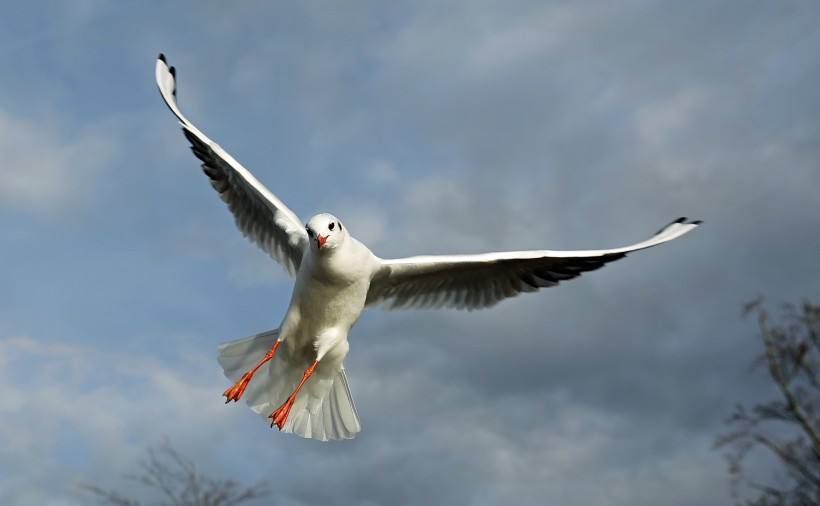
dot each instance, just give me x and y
(176, 478)
(787, 427)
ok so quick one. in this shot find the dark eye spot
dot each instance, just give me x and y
(331, 225)
(310, 232)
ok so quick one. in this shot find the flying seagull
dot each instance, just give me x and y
(294, 374)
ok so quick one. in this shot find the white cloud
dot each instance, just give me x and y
(71, 403)
(44, 169)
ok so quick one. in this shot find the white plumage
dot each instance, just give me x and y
(295, 372)
(331, 413)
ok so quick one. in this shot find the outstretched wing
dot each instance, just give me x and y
(261, 217)
(479, 281)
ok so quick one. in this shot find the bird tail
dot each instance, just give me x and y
(323, 409)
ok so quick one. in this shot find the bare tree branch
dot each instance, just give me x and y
(774, 360)
(791, 353)
(176, 478)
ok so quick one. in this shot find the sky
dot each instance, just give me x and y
(427, 127)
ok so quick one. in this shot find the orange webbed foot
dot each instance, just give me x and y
(280, 416)
(235, 392)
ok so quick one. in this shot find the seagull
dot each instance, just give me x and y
(294, 375)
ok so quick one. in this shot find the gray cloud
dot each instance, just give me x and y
(428, 128)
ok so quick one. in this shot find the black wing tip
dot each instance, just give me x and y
(172, 70)
(680, 221)
(684, 222)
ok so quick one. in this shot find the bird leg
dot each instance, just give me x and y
(236, 391)
(280, 416)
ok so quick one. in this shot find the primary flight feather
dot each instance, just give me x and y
(296, 370)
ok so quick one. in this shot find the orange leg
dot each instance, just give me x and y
(280, 416)
(236, 391)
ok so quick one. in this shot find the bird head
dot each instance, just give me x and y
(325, 232)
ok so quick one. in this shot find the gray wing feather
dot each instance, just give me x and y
(259, 214)
(479, 281)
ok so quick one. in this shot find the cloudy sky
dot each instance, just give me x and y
(428, 127)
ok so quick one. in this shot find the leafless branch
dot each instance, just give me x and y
(791, 353)
(176, 478)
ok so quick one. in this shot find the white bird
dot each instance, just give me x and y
(303, 388)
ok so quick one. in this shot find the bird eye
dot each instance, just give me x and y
(310, 232)
(331, 225)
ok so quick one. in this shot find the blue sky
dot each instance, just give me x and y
(428, 127)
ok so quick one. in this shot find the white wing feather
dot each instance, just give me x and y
(261, 217)
(479, 281)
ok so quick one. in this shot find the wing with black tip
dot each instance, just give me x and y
(479, 281)
(261, 217)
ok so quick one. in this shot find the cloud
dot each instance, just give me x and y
(73, 413)
(44, 170)
(427, 128)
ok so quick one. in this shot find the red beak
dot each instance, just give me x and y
(321, 240)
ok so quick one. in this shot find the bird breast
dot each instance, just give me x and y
(331, 290)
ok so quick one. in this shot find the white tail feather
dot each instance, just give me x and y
(323, 409)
